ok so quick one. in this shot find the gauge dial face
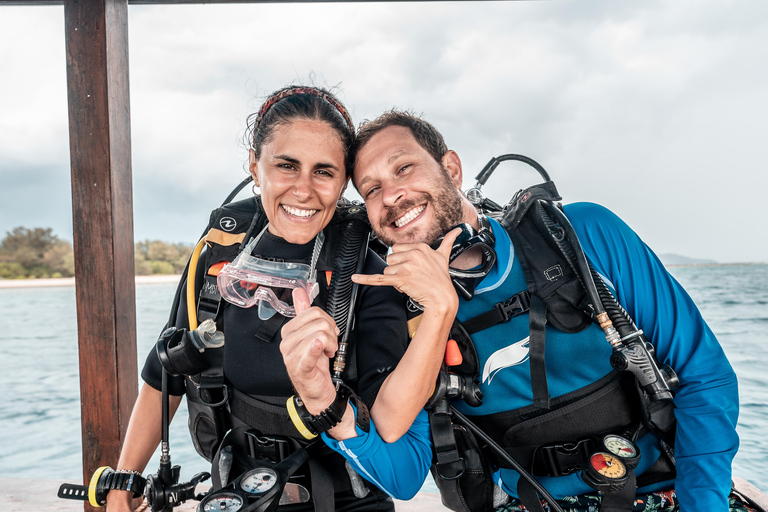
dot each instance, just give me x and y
(608, 465)
(224, 502)
(258, 481)
(619, 446)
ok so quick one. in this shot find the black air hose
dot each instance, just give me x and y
(619, 316)
(342, 291)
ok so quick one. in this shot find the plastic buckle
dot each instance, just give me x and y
(514, 306)
(563, 459)
(209, 301)
(274, 449)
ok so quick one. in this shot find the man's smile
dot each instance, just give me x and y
(409, 215)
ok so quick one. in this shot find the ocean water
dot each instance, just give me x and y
(40, 416)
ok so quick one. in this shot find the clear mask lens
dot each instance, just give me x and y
(248, 281)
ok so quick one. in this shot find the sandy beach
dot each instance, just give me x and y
(70, 281)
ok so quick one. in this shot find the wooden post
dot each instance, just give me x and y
(102, 206)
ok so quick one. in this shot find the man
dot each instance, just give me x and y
(411, 182)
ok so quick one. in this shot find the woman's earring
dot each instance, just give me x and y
(253, 189)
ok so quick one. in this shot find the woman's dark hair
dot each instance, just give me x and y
(300, 102)
(425, 134)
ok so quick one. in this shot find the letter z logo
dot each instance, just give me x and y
(511, 355)
(227, 224)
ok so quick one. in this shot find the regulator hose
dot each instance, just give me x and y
(342, 292)
(503, 455)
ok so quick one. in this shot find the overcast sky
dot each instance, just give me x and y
(656, 109)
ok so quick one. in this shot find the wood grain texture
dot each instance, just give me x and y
(102, 207)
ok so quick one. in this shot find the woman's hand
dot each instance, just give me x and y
(308, 342)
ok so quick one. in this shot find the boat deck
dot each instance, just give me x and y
(24, 494)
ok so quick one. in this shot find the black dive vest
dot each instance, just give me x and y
(550, 437)
(216, 408)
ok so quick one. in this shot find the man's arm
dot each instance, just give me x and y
(707, 399)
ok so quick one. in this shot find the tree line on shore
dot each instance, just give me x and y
(38, 253)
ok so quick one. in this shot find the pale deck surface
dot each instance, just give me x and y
(21, 494)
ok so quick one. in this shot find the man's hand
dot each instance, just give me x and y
(418, 271)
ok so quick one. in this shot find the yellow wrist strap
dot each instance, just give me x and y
(294, 415)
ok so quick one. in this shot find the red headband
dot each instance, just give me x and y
(302, 90)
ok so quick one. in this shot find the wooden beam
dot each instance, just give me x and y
(102, 207)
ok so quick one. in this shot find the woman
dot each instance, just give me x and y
(300, 139)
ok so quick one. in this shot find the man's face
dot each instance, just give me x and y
(410, 197)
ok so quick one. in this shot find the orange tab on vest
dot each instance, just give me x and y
(453, 355)
(216, 268)
(328, 275)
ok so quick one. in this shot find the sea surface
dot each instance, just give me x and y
(40, 412)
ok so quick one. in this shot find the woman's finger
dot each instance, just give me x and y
(301, 301)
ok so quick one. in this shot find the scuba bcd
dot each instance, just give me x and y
(192, 346)
(564, 291)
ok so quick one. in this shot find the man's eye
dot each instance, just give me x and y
(371, 191)
(403, 168)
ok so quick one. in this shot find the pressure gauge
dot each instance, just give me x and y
(222, 502)
(258, 481)
(605, 472)
(623, 448)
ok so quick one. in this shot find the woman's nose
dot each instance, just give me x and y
(302, 189)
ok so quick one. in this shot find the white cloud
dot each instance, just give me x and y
(655, 109)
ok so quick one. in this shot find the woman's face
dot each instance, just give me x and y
(301, 176)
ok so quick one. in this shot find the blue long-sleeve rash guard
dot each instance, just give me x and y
(706, 401)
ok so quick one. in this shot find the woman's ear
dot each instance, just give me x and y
(452, 162)
(253, 167)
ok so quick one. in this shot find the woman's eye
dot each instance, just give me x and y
(325, 172)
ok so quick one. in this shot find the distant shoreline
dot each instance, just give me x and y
(155, 279)
(70, 281)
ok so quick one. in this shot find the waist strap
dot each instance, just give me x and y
(262, 415)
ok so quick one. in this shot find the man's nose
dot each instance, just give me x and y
(392, 194)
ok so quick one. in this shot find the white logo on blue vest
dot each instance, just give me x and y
(511, 355)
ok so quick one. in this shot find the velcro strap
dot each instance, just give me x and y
(261, 415)
(621, 500)
(537, 322)
(528, 496)
(449, 465)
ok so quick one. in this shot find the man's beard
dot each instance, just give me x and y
(447, 207)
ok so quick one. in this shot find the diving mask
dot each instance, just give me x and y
(469, 239)
(249, 280)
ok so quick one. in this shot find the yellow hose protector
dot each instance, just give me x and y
(191, 274)
(93, 484)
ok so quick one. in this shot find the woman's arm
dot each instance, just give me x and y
(141, 439)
